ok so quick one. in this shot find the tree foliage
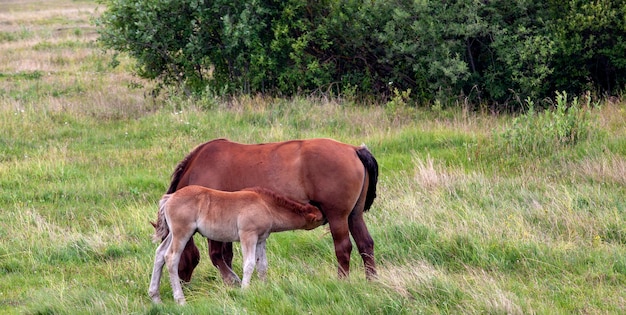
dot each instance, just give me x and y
(494, 52)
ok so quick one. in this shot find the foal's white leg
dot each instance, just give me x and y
(173, 258)
(261, 260)
(248, 248)
(159, 261)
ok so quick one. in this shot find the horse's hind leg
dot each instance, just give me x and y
(221, 255)
(364, 243)
(343, 246)
(361, 235)
(159, 261)
(248, 248)
(172, 259)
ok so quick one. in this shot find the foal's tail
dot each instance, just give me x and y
(371, 166)
(160, 227)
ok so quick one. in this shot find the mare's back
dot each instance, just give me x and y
(231, 166)
(293, 168)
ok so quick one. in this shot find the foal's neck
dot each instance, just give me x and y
(286, 213)
(286, 219)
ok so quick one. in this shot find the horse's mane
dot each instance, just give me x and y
(180, 169)
(282, 201)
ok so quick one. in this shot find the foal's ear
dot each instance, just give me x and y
(153, 224)
(312, 217)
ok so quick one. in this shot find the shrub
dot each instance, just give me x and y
(536, 133)
(493, 52)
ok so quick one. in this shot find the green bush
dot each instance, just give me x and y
(452, 52)
(590, 39)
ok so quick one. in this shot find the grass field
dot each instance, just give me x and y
(476, 213)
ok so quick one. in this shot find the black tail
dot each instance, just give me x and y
(371, 166)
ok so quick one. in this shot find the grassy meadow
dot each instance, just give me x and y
(476, 214)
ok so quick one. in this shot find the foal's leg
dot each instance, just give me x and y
(248, 247)
(159, 261)
(172, 259)
(261, 260)
(364, 243)
(221, 255)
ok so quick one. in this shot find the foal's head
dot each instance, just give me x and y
(314, 217)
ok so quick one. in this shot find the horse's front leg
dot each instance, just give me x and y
(157, 270)
(188, 261)
(248, 248)
(261, 260)
(221, 255)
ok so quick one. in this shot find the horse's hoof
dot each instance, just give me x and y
(156, 298)
(233, 281)
(181, 301)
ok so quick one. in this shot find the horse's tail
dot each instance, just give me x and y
(371, 166)
(161, 230)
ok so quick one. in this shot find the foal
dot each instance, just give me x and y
(248, 216)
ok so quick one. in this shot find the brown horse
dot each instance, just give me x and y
(248, 216)
(338, 178)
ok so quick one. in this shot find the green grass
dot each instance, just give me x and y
(466, 220)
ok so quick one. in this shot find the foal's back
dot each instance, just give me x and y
(226, 216)
(216, 214)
